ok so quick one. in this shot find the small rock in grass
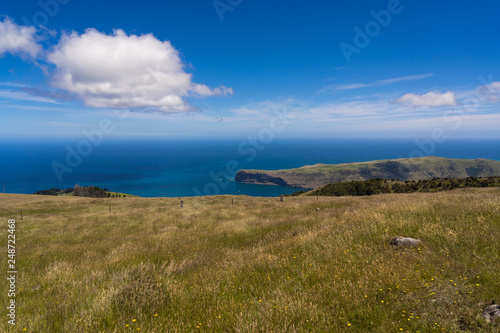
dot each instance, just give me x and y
(317, 208)
(492, 312)
(400, 241)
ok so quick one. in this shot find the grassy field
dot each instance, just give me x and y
(258, 266)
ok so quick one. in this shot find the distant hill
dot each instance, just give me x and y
(418, 168)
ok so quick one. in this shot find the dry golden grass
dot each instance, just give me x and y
(257, 266)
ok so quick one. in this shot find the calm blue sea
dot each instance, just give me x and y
(180, 168)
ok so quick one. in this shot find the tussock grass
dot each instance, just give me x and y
(257, 266)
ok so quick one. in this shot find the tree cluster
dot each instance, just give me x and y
(443, 184)
(83, 191)
(54, 191)
(89, 191)
(379, 185)
(355, 188)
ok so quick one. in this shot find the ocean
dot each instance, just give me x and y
(182, 168)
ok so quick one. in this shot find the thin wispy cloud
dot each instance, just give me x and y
(61, 124)
(410, 108)
(12, 84)
(351, 86)
(263, 110)
(358, 85)
(20, 108)
(24, 96)
(404, 78)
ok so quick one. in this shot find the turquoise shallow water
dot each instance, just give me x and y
(180, 168)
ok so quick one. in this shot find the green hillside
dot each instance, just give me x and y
(419, 168)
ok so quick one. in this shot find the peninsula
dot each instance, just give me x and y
(418, 168)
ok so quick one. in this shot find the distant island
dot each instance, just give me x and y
(412, 169)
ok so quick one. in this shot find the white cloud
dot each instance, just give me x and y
(493, 92)
(16, 39)
(121, 71)
(494, 85)
(430, 99)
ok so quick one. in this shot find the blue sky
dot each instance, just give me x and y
(233, 68)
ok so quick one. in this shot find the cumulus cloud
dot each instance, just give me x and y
(430, 99)
(122, 71)
(16, 39)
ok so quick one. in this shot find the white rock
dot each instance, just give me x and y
(400, 241)
(492, 313)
